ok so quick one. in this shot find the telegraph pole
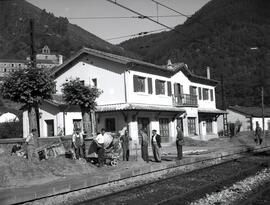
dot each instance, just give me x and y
(32, 45)
(263, 110)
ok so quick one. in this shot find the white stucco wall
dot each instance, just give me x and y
(109, 75)
(260, 120)
(145, 97)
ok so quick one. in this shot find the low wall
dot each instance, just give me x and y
(7, 144)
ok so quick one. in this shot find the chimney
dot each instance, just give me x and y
(60, 59)
(208, 72)
(169, 64)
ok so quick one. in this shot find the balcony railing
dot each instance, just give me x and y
(185, 100)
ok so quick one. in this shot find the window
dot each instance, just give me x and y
(77, 124)
(150, 87)
(160, 87)
(178, 89)
(12, 65)
(94, 81)
(169, 87)
(211, 95)
(191, 125)
(110, 124)
(205, 94)
(193, 90)
(139, 83)
(82, 82)
(200, 93)
(164, 129)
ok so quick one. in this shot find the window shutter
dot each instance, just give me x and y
(181, 90)
(169, 86)
(135, 83)
(175, 89)
(200, 93)
(211, 95)
(150, 87)
(157, 87)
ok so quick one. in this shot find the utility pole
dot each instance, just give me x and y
(32, 45)
(263, 110)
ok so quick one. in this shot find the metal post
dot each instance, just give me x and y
(263, 110)
(32, 46)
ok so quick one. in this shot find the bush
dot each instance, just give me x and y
(11, 130)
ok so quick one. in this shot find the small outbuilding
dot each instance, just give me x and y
(247, 116)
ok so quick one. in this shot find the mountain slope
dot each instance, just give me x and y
(219, 35)
(61, 36)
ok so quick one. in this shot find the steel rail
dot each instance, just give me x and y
(154, 171)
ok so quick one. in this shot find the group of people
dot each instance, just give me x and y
(100, 144)
(156, 144)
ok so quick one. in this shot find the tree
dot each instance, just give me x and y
(76, 93)
(30, 87)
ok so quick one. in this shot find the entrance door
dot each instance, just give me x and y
(164, 129)
(209, 128)
(191, 125)
(50, 128)
(143, 123)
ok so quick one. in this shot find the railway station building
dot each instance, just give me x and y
(135, 95)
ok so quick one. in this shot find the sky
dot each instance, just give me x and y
(109, 28)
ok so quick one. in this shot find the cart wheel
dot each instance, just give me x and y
(114, 162)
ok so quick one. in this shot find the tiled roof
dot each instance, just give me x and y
(129, 61)
(13, 61)
(250, 111)
(213, 111)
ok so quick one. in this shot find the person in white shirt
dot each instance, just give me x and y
(100, 140)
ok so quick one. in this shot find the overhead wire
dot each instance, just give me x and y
(121, 17)
(168, 27)
(137, 34)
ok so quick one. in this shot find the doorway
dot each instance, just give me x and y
(143, 123)
(50, 128)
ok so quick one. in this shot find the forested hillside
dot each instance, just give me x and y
(61, 36)
(220, 35)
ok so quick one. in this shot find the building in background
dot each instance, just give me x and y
(247, 116)
(136, 95)
(46, 59)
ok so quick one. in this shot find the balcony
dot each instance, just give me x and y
(183, 100)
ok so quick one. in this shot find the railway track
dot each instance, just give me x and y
(185, 188)
(156, 176)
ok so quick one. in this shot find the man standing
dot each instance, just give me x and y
(31, 144)
(100, 147)
(258, 134)
(125, 145)
(77, 141)
(156, 146)
(144, 145)
(179, 142)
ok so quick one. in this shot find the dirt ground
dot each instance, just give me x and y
(17, 171)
